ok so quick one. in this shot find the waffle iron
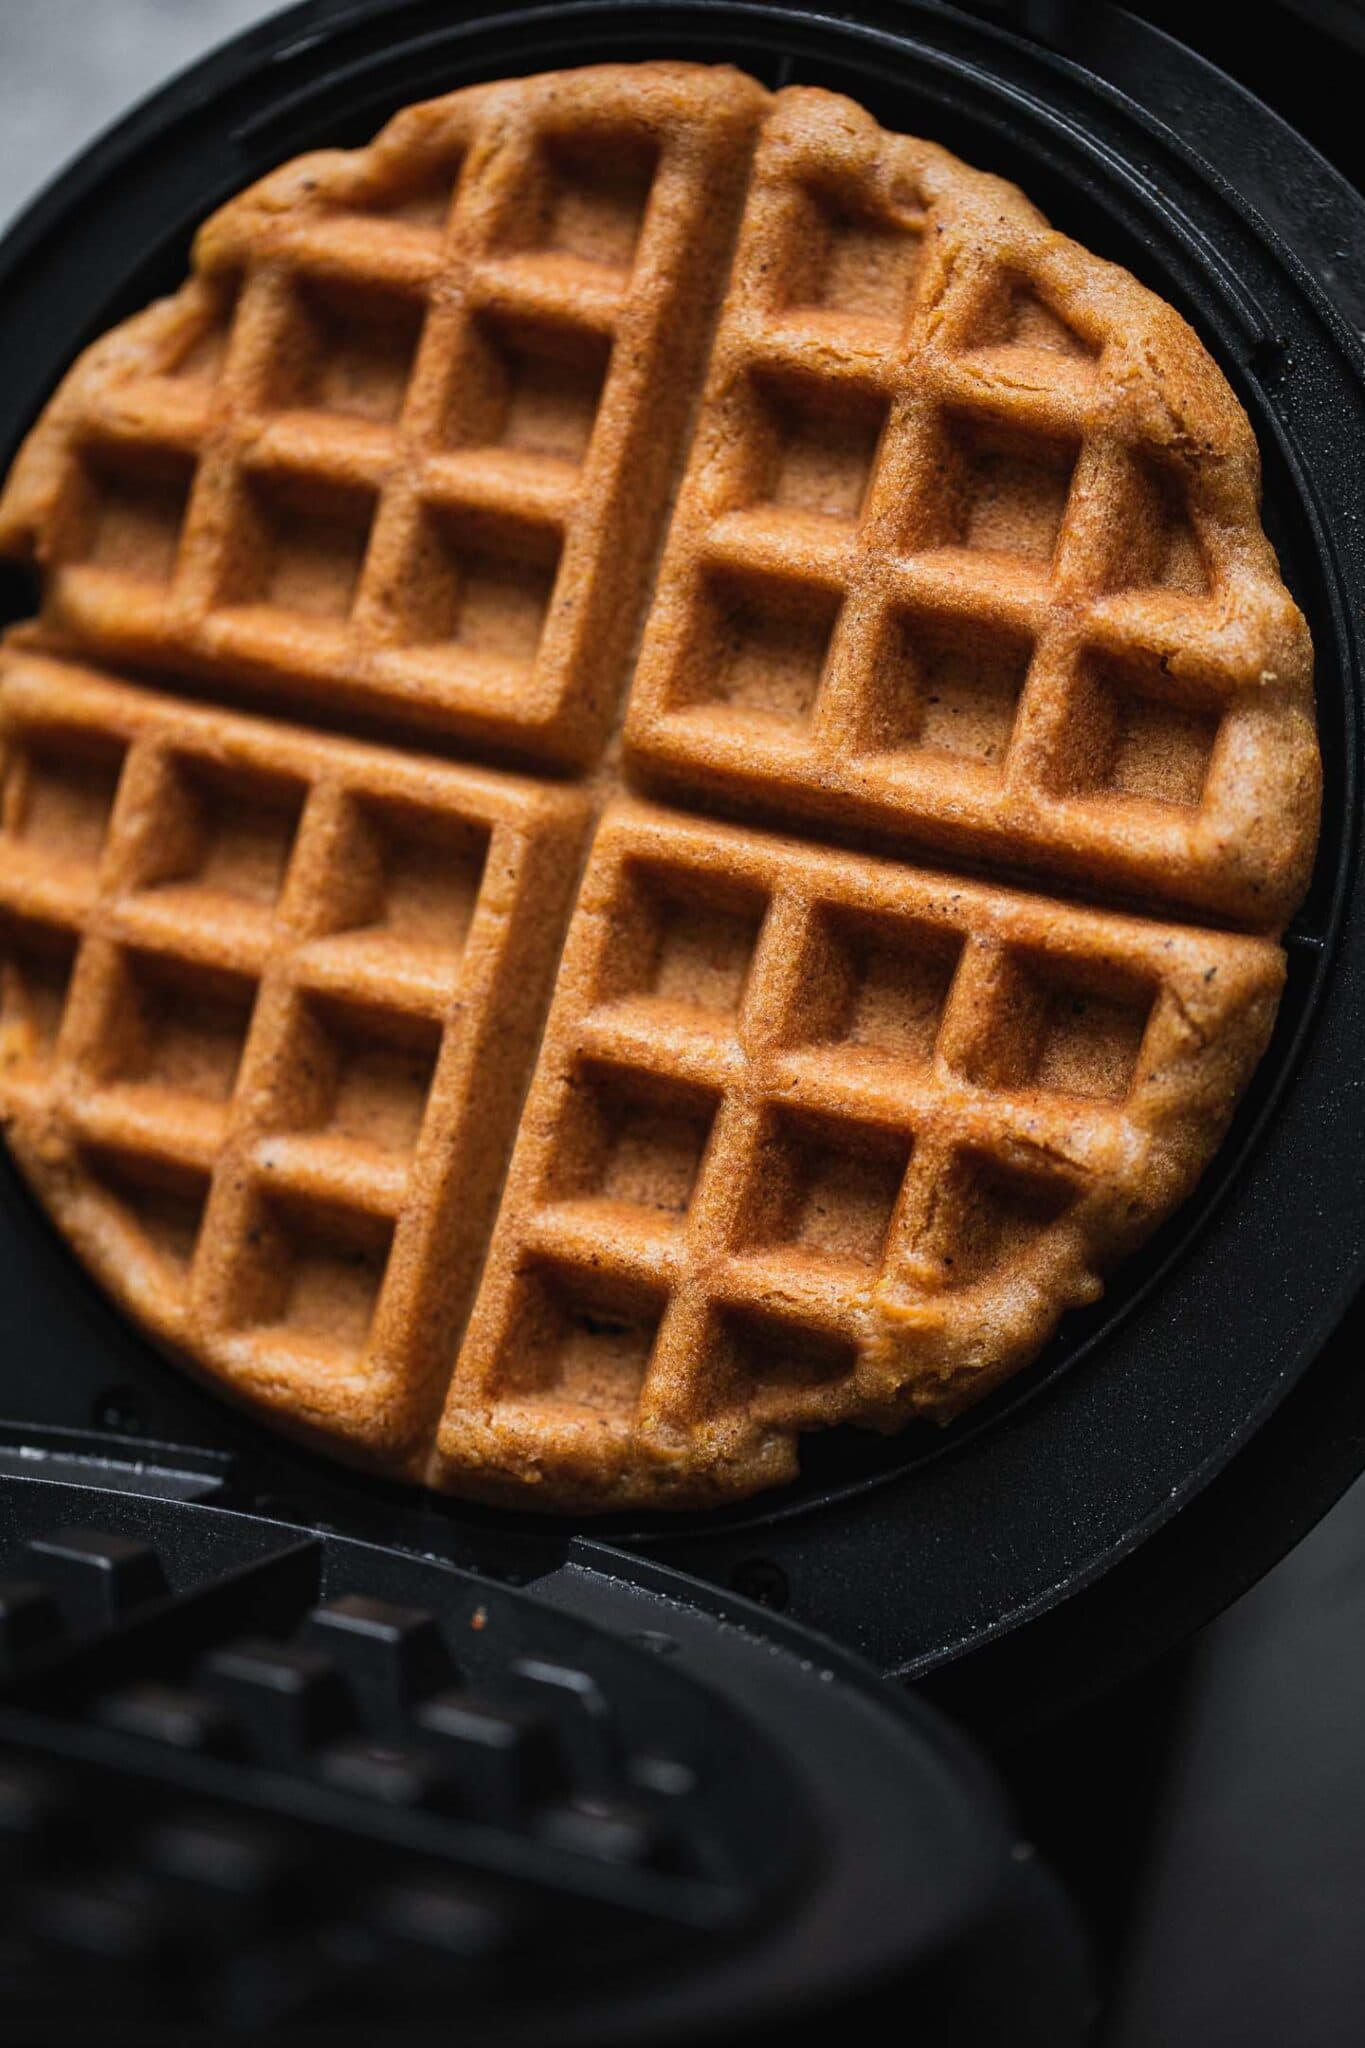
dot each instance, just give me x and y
(219, 1639)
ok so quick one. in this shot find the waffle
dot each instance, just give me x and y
(727, 568)
(268, 1000)
(819, 1138)
(969, 549)
(400, 450)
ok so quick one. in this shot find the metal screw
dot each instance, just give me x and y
(762, 1581)
(118, 1410)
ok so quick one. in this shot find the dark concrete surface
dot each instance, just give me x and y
(1250, 1926)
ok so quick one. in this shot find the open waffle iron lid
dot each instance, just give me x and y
(916, 1551)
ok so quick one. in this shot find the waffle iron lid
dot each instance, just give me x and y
(880, 1547)
(254, 1776)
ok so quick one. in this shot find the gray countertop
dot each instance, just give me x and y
(68, 68)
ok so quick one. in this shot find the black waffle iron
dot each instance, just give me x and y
(284, 1748)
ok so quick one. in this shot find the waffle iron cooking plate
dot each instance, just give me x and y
(918, 1549)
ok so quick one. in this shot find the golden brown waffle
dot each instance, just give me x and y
(402, 446)
(818, 1138)
(267, 1006)
(969, 548)
(965, 556)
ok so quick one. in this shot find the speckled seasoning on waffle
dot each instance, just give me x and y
(653, 794)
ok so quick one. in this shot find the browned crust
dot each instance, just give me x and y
(1137, 398)
(734, 1212)
(227, 1112)
(1067, 1091)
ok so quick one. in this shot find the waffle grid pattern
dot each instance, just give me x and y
(965, 556)
(255, 991)
(794, 1114)
(941, 565)
(402, 449)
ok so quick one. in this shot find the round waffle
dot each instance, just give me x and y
(668, 515)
